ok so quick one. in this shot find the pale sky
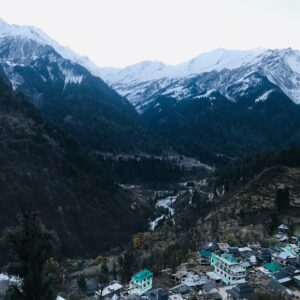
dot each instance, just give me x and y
(122, 32)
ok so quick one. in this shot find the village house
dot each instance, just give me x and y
(274, 286)
(248, 255)
(284, 257)
(223, 246)
(264, 255)
(131, 297)
(210, 288)
(291, 248)
(189, 278)
(292, 271)
(282, 233)
(283, 229)
(297, 279)
(175, 297)
(205, 255)
(213, 276)
(141, 282)
(228, 268)
(182, 289)
(158, 294)
(233, 251)
(114, 289)
(241, 291)
(282, 277)
(254, 245)
(272, 267)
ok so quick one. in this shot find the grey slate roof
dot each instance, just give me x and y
(242, 291)
(158, 294)
(182, 289)
(274, 285)
(280, 275)
(209, 286)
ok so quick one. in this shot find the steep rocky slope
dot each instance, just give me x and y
(250, 213)
(254, 209)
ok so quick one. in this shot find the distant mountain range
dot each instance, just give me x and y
(224, 103)
(143, 81)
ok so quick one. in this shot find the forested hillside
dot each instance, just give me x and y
(44, 169)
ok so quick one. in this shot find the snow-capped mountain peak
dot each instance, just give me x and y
(30, 33)
(143, 71)
(217, 59)
(27, 32)
(220, 58)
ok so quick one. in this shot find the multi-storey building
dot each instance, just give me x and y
(228, 268)
(141, 282)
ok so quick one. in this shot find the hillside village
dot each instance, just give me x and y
(217, 271)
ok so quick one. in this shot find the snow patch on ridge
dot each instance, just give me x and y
(264, 96)
(70, 77)
(207, 94)
(31, 33)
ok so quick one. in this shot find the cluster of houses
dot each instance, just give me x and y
(225, 273)
(273, 269)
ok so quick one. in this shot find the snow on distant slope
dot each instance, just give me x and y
(34, 34)
(218, 60)
(142, 81)
(143, 71)
(264, 96)
(149, 70)
(292, 58)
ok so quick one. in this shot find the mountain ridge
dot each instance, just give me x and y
(281, 66)
(69, 95)
(146, 74)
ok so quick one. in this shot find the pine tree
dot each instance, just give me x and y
(31, 248)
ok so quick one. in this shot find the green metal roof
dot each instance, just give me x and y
(290, 248)
(142, 275)
(205, 253)
(273, 267)
(229, 257)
